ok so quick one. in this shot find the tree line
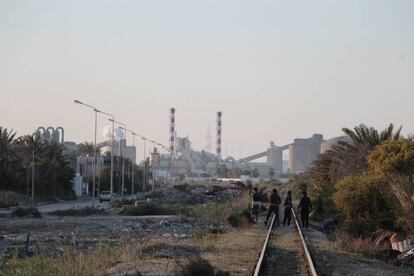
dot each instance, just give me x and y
(52, 171)
(366, 183)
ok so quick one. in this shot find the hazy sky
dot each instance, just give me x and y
(276, 69)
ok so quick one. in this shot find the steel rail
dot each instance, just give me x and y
(262, 254)
(309, 263)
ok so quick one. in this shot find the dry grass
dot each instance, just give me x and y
(363, 246)
(339, 258)
(234, 251)
(83, 212)
(218, 213)
(69, 263)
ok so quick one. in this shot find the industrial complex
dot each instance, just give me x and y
(180, 162)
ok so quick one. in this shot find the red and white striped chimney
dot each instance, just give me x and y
(218, 151)
(172, 131)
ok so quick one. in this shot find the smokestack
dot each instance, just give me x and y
(172, 131)
(219, 114)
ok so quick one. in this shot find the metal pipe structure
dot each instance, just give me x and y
(123, 156)
(60, 138)
(219, 126)
(51, 134)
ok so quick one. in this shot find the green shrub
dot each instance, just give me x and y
(119, 203)
(26, 212)
(240, 219)
(181, 187)
(364, 205)
(155, 194)
(149, 209)
(197, 267)
(86, 211)
(210, 231)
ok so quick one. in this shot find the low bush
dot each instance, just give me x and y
(68, 263)
(360, 245)
(155, 194)
(218, 213)
(86, 211)
(365, 206)
(149, 209)
(197, 267)
(26, 212)
(240, 219)
(119, 203)
(208, 232)
(9, 199)
(181, 187)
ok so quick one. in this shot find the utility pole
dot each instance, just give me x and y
(94, 160)
(33, 173)
(133, 164)
(145, 164)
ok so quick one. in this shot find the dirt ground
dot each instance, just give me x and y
(234, 252)
(331, 260)
(56, 233)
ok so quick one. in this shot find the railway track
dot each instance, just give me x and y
(285, 252)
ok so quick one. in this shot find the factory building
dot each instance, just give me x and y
(184, 161)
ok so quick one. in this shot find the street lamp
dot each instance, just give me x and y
(152, 167)
(133, 163)
(123, 155)
(112, 149)
(94, 148)
(145, 164)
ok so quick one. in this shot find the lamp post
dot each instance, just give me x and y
(123, 156)
(133, 164)
(112, 150)
(145, 164)
(95, 110)
(33, 174)
(152, 167)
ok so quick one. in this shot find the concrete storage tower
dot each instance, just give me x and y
(219, 125)
(303, 152)
(275, 158)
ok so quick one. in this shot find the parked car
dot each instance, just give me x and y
(105, 196)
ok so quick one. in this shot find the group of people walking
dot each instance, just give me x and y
(305, 206)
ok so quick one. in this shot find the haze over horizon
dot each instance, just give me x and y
(276, 69)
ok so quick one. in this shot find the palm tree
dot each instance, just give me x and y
(56, 169)
(30, 149)
(9, 163)
(349, 158)
(368, 136)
